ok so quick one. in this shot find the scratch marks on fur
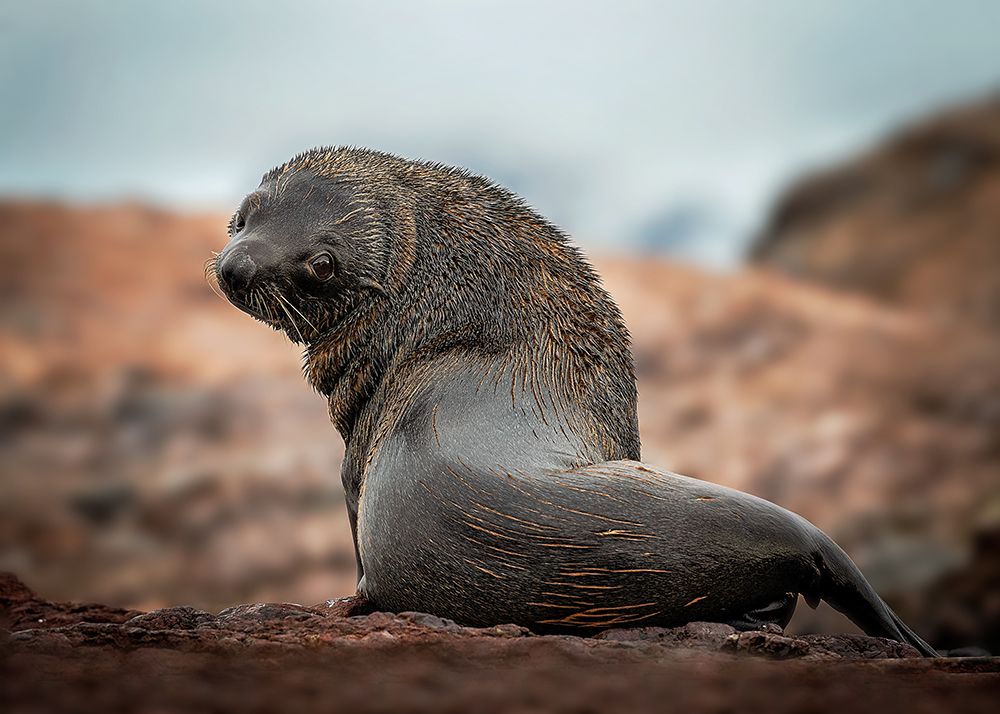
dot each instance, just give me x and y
(434, 425)
(602, 572)
(628, 535)
(603, 617)
(551, 605)
(580, 586)
(480, 568)
(530, 525)
(578, 546)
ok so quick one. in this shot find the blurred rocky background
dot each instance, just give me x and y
(160, 448)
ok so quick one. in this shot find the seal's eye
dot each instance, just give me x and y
(239, 222)
(322, 266)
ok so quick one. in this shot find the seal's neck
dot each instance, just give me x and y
(347, 364)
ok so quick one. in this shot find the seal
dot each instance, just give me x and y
(483, 383)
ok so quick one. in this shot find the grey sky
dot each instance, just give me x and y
(606, 116)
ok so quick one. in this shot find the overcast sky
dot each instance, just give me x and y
(609, 117)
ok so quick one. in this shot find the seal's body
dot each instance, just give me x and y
(482, 380)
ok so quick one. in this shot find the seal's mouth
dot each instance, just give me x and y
(258, 312)
(264, 302)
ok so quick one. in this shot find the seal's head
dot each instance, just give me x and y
(302, 253)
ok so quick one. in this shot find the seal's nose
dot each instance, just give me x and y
(236, 270)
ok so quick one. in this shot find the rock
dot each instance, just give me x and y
(694, 635)
(285, 624)
(172, 618)
(21, 609)
(824, 647)
(431, 622)
(913, 222)
(766, 644)
(280, 656)
(261, 614)
(13, 590)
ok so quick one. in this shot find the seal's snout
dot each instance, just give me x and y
(236, 271)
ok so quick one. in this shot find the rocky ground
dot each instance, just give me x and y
(266, 657)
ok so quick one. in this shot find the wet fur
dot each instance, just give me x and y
(482, 380)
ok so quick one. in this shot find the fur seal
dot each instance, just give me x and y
(482, 381)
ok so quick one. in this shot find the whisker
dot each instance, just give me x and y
(281, 304)
(209, 266)
(291, 305)
(266, 304)
(258, 304)
(212, 278)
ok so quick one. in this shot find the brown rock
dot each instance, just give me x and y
(767, 645)
(172, 618)
(267, 657)
(694, 635)
(21, 609)
(914, 222)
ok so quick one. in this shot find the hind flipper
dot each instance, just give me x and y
(777, 612)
